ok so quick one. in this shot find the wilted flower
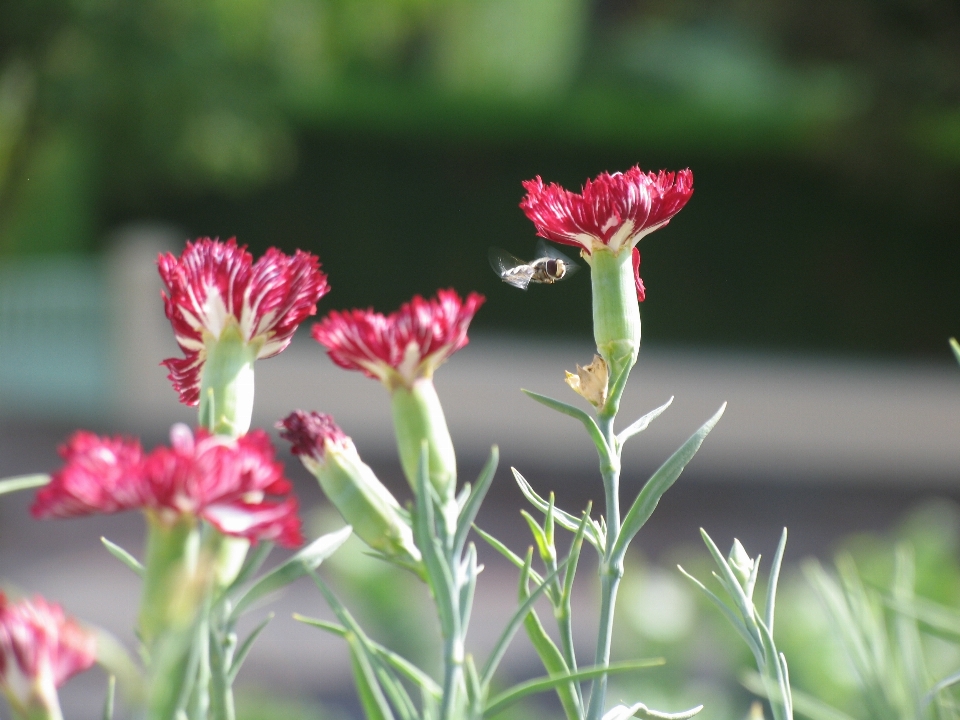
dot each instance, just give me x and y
(590, 382)
(399, 348)
(40, 649)
(223, 480)
(351, 485)
(219, 297)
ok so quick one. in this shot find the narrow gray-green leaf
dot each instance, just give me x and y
(22, 482)
(803, 703)
(511, 628)
(245, 647)
(642, 424)
(562, 518)
(404, 666)
(123, 556)
(658, 484)
(469, 512)
(588, 422)
(505, 699)
(295, 567)
(769, 610)
(956, 348)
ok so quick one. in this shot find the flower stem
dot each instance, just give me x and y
(611, 570)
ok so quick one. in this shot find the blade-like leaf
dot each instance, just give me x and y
(956, 348)
(768, 614)
(22, 482)
(588, 422)
(244, 648)
(506, 552)
(804, 704)
(123, 556)
(505, 699)
(562, 518)
(642, 424)
(253, 562)
(375, 706)
(297, 566)
(551, 657)
(496, 655)
(658, 484)
(736, 622)
(404, 666)
(469, 512)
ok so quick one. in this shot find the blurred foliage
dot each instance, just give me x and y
(705, 658)
(391, 136)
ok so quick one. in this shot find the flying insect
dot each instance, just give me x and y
(548, 267)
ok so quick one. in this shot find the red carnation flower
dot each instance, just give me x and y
(613, 211)
(214, 286)
(223, 480)
(40, 649)
(403, 346)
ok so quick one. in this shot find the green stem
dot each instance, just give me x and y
(172, 554)
(611, 570)
(418, 416)
(226, 385)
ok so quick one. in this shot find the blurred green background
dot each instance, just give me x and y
(391, 137)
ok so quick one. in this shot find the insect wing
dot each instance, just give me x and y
(546, 250)
(511, 269)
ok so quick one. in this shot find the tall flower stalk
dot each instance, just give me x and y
(606, 220)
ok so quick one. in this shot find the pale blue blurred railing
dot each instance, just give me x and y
(55, 349)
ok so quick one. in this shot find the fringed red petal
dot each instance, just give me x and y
(203, 475)
(42, 643)
(603, 207)
(100, 475)
(410, 342)
(213, 285)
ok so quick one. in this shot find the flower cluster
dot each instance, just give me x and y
(215, 288)
(399, 348)
(40, 649)
(223, 480)
(613, 211)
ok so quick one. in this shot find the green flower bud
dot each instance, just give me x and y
(741, 563)
(352, 486)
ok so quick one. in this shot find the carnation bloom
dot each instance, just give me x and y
(399, 348)
(216, 290)
(403, 350)
(40, 649)
(612, 211)
(223, 480)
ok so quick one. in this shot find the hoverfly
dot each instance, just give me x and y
(549, 266)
